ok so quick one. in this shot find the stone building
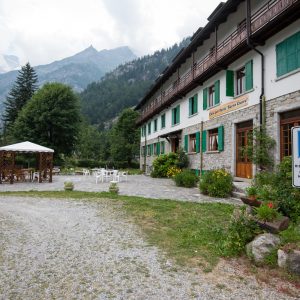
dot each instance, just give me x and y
(242, 67)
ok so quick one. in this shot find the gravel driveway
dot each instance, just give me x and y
(66, 249)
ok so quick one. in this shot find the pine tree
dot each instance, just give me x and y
(22, 90)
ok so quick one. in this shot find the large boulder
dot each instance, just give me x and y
(289, 260)
(262, 246)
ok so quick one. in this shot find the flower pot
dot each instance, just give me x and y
(251, 201)
(275, 226)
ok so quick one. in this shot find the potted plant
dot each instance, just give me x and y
(251, 196)
(68, 186)
(113, 188)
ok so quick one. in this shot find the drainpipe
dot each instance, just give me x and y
(201, 153)
(145, 152)
(249, 43)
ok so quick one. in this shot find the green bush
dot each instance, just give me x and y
(186, 179)
(182, 159)
(216, 183)
(266, 213)
(241, 230)
(162, 164)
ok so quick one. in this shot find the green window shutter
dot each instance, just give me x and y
(186, 143)
(157, 148)
(195, 103)
(204, 141)
(205, 91)
(229, 83)
(281, 61)
(163, 147)
(221, 138)
(173, 116)
(178, 114)
(163, 121)
(217, 92)
(249, 75)
(291, 51)
(197, 172)
(190, 106)
(198, 142)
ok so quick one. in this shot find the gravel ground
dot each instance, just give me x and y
(66, 249)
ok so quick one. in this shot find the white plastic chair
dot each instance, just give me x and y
(123, 175)
(85, 172)
(116, 176)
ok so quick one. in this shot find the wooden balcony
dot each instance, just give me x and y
(268, 20)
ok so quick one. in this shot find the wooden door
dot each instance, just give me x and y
(243, 164)
(288, 120)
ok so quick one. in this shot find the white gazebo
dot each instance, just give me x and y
(8, 170)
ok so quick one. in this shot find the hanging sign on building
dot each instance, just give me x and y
(228, 107)
(296, 156)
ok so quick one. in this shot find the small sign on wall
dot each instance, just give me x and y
(296, 156)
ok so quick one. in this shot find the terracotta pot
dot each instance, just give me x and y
(251, 202)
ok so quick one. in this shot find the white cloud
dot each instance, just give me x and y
(41, 31)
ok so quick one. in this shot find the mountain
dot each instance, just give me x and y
(8, 63)
(123, 87)
(77, 71)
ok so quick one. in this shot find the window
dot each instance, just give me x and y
(211, 95)
(154, 149)
(176, 115)
(193, 105)
(240, 81)
(143, 151)
(155, 125)
(213, 140)
(192, 142)
(163, 121)
(143, 131)
(288, 55)
(243, 80)
(287, 121)
(149, 128)
(162, 147)
(148, 150)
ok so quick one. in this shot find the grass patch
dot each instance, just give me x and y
(191, 233)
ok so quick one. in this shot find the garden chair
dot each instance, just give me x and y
(123, 175)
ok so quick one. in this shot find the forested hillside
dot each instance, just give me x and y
(102, 101)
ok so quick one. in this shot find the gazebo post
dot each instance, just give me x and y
(51, 166)
(40, 166)
(12, 168)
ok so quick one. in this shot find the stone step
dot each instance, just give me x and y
(238, 195)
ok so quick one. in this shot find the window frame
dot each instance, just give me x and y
(211, 96)
(155, 125)
(149, 128)
(240, 81)
(213, 133)
(192, 143)
(163, 121)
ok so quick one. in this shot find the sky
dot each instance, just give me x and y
(41, 31)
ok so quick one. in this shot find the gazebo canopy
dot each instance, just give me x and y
(26, 147)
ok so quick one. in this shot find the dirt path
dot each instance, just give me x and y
(65, 249)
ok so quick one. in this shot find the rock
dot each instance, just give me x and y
(289, 260)
(281, 258)
(261, 246)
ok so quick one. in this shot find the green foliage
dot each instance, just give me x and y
(251, 191)
(216, 183)
(21, 92)
(277, 187)
(51, 118)
(259, 146)
(291, 235)
(163, 163)
(113, 188)
(124, 137)
(241, 230)
(125, 86)
(266, 213)
(68, 186)
(186, 178)
(182, 160)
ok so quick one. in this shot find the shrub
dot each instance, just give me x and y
(68, 186)
(173, 171)
(162, 164)
(186, 179)
(182, 159)
(241, 230)
(113, 188)
(216, 183)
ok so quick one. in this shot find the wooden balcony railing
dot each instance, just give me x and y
(264, 15)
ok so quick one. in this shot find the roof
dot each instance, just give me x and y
(218, 16)
(26, 147)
